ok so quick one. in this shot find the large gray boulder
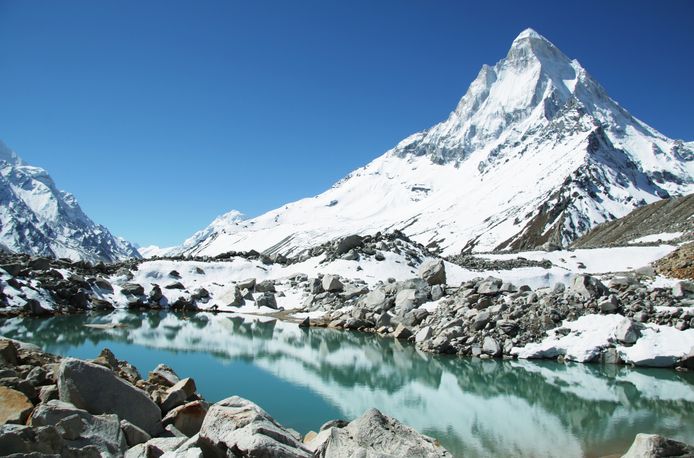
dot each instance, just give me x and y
(375, 435)
(332, 283)
(348, 243)
(656, 446)
(433, 272)
(587, 287)
(627, 332)
(238, 427)
(375, 300)
(79, 428)
(99, 390)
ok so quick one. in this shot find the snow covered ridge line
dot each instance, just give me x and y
(440, 306)
(456, 186)
(39, 219)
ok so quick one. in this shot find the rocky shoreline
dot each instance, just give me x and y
(53, 406)
(485, 317)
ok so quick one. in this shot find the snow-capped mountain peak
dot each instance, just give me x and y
(37, 218)
(535, 152)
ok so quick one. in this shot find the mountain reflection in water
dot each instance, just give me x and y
(305, 377)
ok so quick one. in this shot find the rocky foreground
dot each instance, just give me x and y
(53, 406)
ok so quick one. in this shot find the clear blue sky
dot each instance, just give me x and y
(160, 115)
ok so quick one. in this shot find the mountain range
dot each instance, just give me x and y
(534, 155)
(39, 219)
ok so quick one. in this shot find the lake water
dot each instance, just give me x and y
(304, 377)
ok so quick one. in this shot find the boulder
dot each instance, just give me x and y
(248, 284)
(187, 418)
(8, 352)
(332, 283)
(12, 269)
(348, 243)
(491, 286)
(40, 263)
(155, 295)
(99, 390)
(682, 289)
(266, 300)
(437, 292)
(132, 289)
(481, 320)
(163, 375)
(375, 435)
(423, 334)
(79, 428)
(407, 299)
(133, 434)
(402, 332)
(609, 304)
(15, 407)
(433, 271)
(178, 394)
(266, 286)
(656, 446)
(238, 427)
(156, 447)
(34, 307)
(490, 346)
(627, 332)
(587, 287)
(375, 300)
(26, 441)
(231, 297)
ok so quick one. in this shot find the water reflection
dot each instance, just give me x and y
(476, 408)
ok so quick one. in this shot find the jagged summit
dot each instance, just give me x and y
(535, 153)
(39, 219)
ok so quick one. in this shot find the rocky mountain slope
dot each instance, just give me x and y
(39, 219)
(535, 153)
(665, 220)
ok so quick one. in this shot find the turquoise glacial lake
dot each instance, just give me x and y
(305, 377)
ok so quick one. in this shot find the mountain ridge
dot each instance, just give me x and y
(534, 154)
(39, 219)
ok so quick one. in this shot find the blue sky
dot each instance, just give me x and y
(161, 115)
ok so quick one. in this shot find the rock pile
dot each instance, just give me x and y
(488, 317)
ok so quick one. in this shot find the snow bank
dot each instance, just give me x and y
(658, 346)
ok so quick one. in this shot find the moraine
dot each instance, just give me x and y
(304, 377)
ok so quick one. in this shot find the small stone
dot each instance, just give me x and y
(401, 332)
